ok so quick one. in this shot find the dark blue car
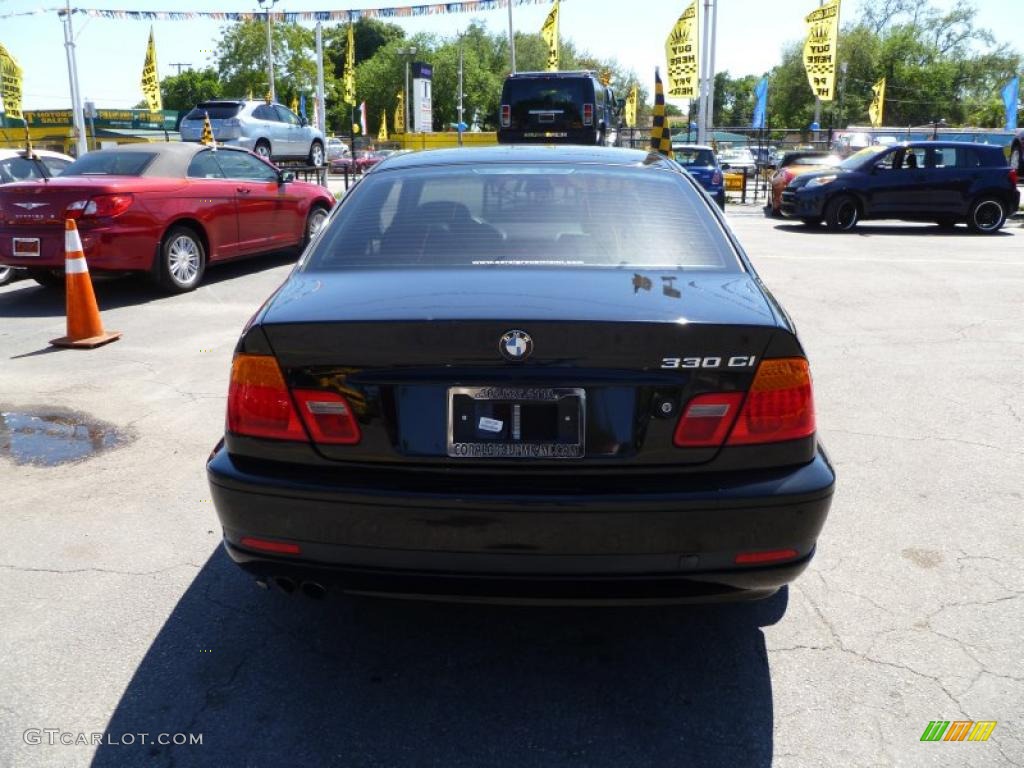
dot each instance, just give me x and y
(700, 161)
(939, 181)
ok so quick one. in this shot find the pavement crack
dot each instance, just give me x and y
(926, 438)
(26, 569)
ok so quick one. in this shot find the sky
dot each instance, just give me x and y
(110, 52)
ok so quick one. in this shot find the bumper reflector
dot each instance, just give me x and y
(269, 545)
(769, 556)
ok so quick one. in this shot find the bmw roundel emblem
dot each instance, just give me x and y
(515, 345)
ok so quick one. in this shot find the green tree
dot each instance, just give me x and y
(242, 60)
(183, 91)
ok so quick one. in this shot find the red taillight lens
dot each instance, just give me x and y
(258, 401)
(506, 115)
(1013, 176)
(707, 419)
(770, 556)
(716, 177)
(328, 416)
(269, 545)
(779, 405)
(101, 205)
(588, 114)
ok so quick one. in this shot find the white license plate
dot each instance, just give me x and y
(26, 246)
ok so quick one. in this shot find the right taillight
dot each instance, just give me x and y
(506, 115)
(779, 405)
(101, 205)
(1013, 176)
(259, 404)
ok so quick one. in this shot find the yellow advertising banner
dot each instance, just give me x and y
(400, 113)
(629, 111)
(681, 51)
(820, 49)
(150, 77)
(350, 69)
(10, 85)
(382, 134)
(877, 107)
(549, 32)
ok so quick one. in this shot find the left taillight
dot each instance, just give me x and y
(588, 114)
(100, 206)
(1013, 177)
(261, 405)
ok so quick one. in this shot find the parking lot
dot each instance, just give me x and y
(122, 616)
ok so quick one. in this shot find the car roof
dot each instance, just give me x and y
(693, 146)
(526, 153)
(7, 153)
(172, 157)
(563, 73)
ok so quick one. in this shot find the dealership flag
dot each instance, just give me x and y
(150, 78)
(681, 50)
(350, 69)
(820, 49)
(1011, 97)
(362, 118)
(10, 85)
(549, 32)
(630, 109)
(382, 134)
(302, 107)
(661, 138)
(760, 104)
(877, 108)
(400, 113)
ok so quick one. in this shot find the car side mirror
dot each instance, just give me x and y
(726, 166)
(285, 176)
(303, 121)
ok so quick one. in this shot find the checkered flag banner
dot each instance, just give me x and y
(661, 137)
(820, 49)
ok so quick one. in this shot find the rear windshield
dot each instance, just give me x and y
(524, 215)
(694, 157)
(562, 96)
(18, 169)
(216, 111)
(110, 163)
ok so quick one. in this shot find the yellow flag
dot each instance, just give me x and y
(150, 78)
(681, 51)
(549, 32)
(295, 104)
(820, 49)
(350, 69)
(877, 107)
(10, 85)
(629, 111)
(400, 113)
(661, 136)
(382, 134)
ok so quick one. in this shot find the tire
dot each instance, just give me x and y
(988, 214)
(1016, 160)
(317, 217)
(181, 261)
(316, 154)
(6, 275)
(48, 278)
(842, 213)
(262, 149)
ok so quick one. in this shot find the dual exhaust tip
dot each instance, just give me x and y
(311, 589)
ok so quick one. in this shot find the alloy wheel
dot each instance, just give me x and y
(183, 258)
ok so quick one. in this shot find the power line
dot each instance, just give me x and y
(180, 65)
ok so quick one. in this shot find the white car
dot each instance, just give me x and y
(18, 165)
(336, 149)
(737, 159)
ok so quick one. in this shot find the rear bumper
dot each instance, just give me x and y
(112, 249)
(628, 546)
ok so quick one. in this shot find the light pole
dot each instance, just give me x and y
(408, 53)
(267, 5)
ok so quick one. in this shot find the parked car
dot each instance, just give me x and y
(22, 165)
(363, 161)
(510, 373)
(167, 209)
(270, 130)
(944, 182)
(1017, 153)
(736, 160)
(700, 161)
(764, 155)
(557, 108)
(336, 149)
(792, 165)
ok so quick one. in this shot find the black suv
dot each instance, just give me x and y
(941, 181)
(557, 108)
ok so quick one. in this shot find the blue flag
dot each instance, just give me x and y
(761, 104)
(1011, 96)
(302, 106)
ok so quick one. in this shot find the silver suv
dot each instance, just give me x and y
(270, 130)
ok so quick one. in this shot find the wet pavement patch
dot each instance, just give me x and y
(51, 436)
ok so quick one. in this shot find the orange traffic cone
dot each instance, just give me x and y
(85, 329)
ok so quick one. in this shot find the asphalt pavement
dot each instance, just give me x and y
(120, 616)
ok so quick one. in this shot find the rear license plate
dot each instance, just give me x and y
(516, 422)
(26, 246)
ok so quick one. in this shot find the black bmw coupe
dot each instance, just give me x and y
(523, 373)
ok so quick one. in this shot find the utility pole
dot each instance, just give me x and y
(76, 99)
(709, 121)
(270, 45)
(511, 38)
(180, 65)
(702, 103)
(321, 118)
(408, 53)
(459, 126)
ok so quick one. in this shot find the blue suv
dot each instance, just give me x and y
(700, 161)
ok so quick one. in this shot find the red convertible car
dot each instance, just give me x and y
(165, 209)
